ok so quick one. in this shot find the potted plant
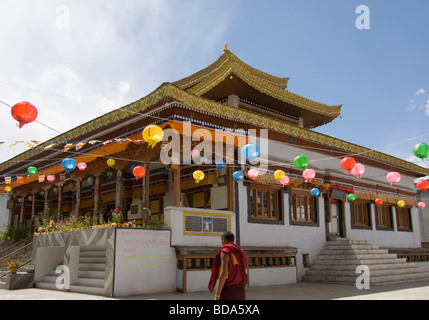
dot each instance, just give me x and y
(13, 266)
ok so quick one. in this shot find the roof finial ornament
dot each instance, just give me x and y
(225, 47)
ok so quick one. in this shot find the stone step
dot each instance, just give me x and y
(92, 267)
(352, 252)
(92, 274)
(358, 262)
(366, 256)
(377, 272)
(374, 267)
(90, 282)
(94, 260)
(87, 289)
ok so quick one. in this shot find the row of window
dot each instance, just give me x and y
(264, 203)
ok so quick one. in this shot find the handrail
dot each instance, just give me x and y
(15, 244)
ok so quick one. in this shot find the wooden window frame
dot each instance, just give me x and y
(383, 217)
(360, 211)
(403, 219)
(307, 202)
(270, 197)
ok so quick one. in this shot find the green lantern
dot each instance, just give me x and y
(300, 162)
(421, 150)
(110, 174)
(351, 197)
(32, 171)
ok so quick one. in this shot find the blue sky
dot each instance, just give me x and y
(114, 52)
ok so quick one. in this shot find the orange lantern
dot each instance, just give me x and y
(24, 112)
(139, 172)
(423, 185)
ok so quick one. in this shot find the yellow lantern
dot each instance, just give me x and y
(111, 162)
(8, 189)
(153, 134)
(279, 175)
(401, 203)
(198, 176)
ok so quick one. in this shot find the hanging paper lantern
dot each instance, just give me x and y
(71, 185)
(238, 176)
(351, 197)
(279, 175)
(220, 164)
(348, 164)
(315, 192)
(90, 180)
(110, 174)
(423, 185)
(300, 162)
(8, 189)
(421, 205)
(309, 174)
(24, 112)
(251, 151)
(253, 174)
(195, 153)
(50, 178)
(69, 164)
(358, 170)
(393, 177)
(32, 171)
(139, 172)
(378, 201)
(198, 176)
(421, 150)
(284, 181)
(20, 180)
(111, 162)
(401, 203)
(81, 166)
(153, 134)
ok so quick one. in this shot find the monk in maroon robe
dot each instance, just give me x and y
(229, 266)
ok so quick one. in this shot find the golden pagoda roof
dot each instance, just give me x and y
(273, 87)
(171, 91)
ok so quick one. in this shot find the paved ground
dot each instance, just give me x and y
(298, 291)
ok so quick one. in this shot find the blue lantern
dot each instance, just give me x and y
(238, 175)
(220, 164)
(251, 151)
(315, 192)
(69, 164)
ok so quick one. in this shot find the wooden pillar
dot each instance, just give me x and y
(145, 186)
(78, 196)
(33, 211)
(96, 214)
(45, 209)
(230, 188)
(21, 214)
(60, 201)
(176, 185)
(119, 189)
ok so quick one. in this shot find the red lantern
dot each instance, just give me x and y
(378, 202)
(423, 185)
(24, 112)
(348, 164)
(139, 172)
(21, 180)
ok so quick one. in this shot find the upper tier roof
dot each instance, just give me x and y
(231, 76)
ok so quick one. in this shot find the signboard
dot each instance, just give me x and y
(144, 262)
(205, 223)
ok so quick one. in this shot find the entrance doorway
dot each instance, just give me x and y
(335, 212)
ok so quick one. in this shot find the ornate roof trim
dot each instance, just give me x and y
(220, 110)
(228, 56)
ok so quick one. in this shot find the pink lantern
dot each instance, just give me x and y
(309, 175)
(81, 166)
(421, 205)
(253, 173)
(358, 170)
(393, 177)
(195, 153)
(284, 181)
(50, 178)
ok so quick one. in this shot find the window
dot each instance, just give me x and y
(383, 216)
(360, 214)
(199, 198)
(264, 202)
(303, 206)
(403, 219)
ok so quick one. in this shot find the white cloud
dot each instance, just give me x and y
(114, 53)
(420, 92)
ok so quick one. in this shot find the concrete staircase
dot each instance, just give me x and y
(338, 261)
(91, 272)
